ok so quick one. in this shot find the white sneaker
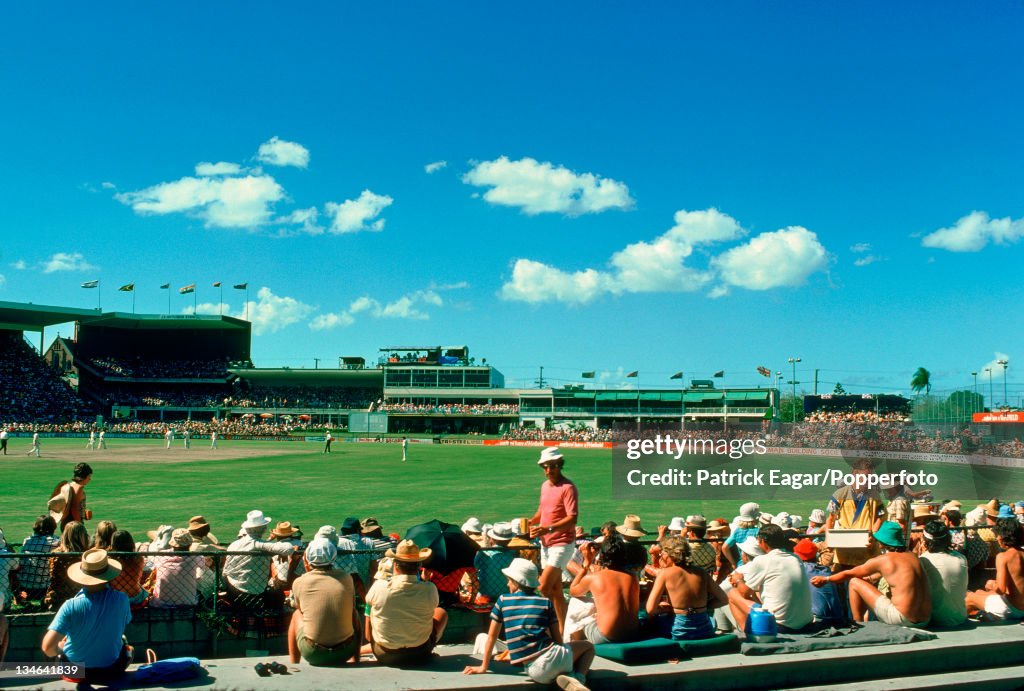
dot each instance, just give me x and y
(571, 682)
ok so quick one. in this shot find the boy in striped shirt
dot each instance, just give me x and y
(531, 631)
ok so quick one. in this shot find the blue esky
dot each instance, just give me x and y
(656, 186)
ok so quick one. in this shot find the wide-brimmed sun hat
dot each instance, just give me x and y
(408, 551)
(631, 527)
(523, 572)
(473, 525)
(283, 529)
(817, 516)
(696, 521)
(94, 568)
(551, 453)
(255, 519)
(717, 527)
(749, 512)
(181, 539)
(501, 532)
(677, 523)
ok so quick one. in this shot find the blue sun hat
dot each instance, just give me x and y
(1005, 511)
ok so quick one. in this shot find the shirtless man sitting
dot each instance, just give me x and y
(1003, 597)
(615, 590)
(691, 593)
(911, 603)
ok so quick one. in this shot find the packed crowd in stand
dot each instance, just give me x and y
(208, 397)
(582, 434)
(29, 389)
(691, 578)
(152, 368)
(300, 397)
(450, 408)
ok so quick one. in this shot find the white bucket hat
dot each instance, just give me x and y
(677, 523)
(501, 532)
(751, 547)
(255, 519)
(321, 552)
(551, 453)
(523, 572)
(782, 520)
(749, 512)
(817, 516)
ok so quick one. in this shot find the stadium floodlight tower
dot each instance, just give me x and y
(794, 382)
(990, 396)
(1005, 364)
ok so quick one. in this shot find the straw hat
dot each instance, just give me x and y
(181, 539)
(95, 568)
(284, 529)
(631, 527)
(523, 572)
(501, 532)
(408, 551)
(717, 527)
(924, 511)
(696, 521)
(369, 525)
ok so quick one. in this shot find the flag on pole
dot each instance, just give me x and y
(764, 371)
(190, 288)
(127, 288)
(677, 375)
(633, 373)
(588, 375)
(241, 286)
(91, 284)
(217, 284)
(719, 373)
(165, 286)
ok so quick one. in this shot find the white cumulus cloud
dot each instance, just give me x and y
(208, 308)
(20, 265)
(993, 364)
(220, 168)
(772, 260)
(783, 258)
(432, 168)
(270, 313)
(538, 188)
(974, 231)
(278, 152)
(66, 261)
(230, 202)
(414, 305)
(354, 215)
(861, 247)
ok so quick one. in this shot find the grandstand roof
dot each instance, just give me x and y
(24, 316)
(285, 376)
(128, 320)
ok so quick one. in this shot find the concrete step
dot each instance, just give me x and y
(999, 679)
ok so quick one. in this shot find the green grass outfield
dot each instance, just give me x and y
(140, 485)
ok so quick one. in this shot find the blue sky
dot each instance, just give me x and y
(668, 187)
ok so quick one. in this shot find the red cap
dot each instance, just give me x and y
(806, 550)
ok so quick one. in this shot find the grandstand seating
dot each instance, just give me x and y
(30, 390)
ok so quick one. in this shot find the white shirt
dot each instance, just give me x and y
(947, 579)
(3, 434)
(785, 590)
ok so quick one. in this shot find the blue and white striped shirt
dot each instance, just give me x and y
(527, 619)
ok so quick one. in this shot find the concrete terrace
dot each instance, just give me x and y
(989, 657)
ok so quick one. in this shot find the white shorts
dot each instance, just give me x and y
(886, 612)
(558, 556)
(546, 667)
(997, 606)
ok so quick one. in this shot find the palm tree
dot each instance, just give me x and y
(921, 381)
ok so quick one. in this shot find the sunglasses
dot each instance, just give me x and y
(547, 466)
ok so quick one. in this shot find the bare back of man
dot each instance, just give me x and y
(1008, 585)
(908, 587)
(616, 602)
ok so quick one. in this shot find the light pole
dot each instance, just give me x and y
(989, 370)
(794, 382)
(1005, 364)
(975, 401)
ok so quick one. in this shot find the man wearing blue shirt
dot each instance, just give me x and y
(88, 629)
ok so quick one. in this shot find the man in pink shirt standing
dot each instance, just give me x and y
(555, 525)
